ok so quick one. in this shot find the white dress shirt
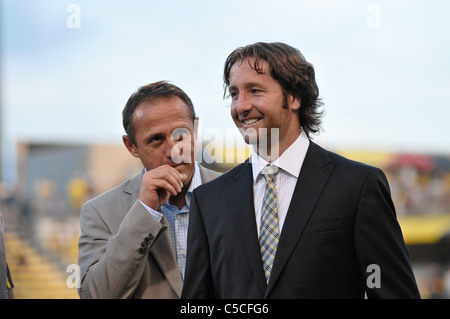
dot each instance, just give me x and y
(290, 164)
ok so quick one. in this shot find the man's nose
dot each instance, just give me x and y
(177, 151)
(169, 146)
(243, 104)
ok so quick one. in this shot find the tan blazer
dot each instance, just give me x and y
(123, 252)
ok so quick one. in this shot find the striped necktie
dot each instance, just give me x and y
(269, 233)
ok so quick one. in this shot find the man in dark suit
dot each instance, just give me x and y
(312, 224)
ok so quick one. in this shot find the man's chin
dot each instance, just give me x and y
(185, 168)
(253, 140)
(250, 137)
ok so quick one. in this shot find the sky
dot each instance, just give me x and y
(69, 66)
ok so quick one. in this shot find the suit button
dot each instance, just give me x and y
(150, 235)
(147, 239)
(143, 245)
(141, 251)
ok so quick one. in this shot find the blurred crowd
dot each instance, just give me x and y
(48, 218)
(419, 192)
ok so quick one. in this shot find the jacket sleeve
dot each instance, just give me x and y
(198, 282)
(381, 251)
(112, 262)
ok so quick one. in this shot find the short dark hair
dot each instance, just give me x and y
(151, 93)
(291, 70)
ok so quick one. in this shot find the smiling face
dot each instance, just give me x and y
(164, 134)
(258, 102)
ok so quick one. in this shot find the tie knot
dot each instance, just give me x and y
(269, 171)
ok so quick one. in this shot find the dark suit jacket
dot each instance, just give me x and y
(341, 220)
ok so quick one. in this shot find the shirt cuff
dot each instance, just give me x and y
(158, 216)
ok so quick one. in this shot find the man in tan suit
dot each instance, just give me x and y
(133, 237)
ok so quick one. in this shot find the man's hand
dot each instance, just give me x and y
(159, 184)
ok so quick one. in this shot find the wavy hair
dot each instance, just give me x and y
(291, 70)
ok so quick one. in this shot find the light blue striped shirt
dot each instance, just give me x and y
(178, 221)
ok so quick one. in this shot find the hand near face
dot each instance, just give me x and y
(159, 184)
(164, 142)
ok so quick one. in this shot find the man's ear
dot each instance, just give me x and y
(295, 103)
(131, 147)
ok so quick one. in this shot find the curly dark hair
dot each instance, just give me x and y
(289, 68)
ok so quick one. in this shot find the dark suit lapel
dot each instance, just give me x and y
(314, 174)
(240, 195)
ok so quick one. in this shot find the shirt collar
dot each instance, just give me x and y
(195, 182)
(290, 161)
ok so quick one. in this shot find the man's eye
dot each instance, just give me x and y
(233, 95)
(180, 134)
(155, 139)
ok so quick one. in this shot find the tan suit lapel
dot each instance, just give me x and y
(164, 256)
(162, 249)
(133, 188)
(208, 174)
